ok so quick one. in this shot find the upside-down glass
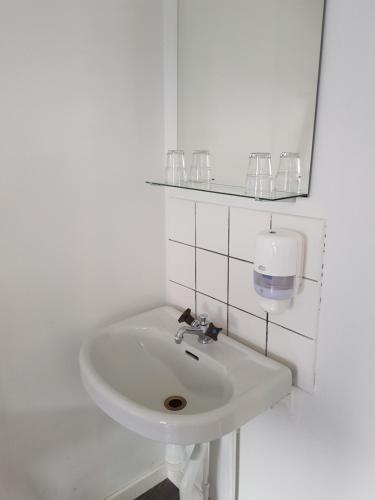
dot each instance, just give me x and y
(200, 170)
(175, 172)
(259, 175)
(288, 178)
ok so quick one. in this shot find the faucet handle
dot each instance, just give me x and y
(203, 319)
(186, 317)
(213, 331)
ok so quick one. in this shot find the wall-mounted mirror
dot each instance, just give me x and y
(247, 81)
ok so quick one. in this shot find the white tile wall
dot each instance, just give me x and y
(241, 290)
(212, 227)
(181, 220)
(222, 286)
(217, 311)
(303, 316)
(212, 274)
(181, 264)
(244, 226)
(247, 329)
(314, 233)
(180, 297)
(295, 351)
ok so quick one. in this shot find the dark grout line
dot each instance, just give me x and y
(229, 256)
(228, 221)
(247, 312)
(182, 243)
(195, 257)
(292, 331)
(210, 297)
(184, 286)
(228, 271)
(310, 279)
(241, 260)
(212, 251)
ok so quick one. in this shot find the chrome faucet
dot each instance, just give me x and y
(205, 331)
(197, 327)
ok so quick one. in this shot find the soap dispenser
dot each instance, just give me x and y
(278, 268)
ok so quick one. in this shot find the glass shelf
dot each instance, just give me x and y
(227, 189)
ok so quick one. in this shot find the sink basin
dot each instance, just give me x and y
(177, 393)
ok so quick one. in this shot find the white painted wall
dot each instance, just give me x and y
(82, 243)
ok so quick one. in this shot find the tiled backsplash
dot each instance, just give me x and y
(210, 269)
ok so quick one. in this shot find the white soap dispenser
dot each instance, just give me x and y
(278, 268)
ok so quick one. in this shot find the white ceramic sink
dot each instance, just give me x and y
(130, 368)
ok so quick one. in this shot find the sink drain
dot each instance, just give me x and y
(175, 403)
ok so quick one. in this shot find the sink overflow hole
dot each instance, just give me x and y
(175, 403)
(192, 355)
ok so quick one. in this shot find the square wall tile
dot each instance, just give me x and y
(180, 297)
(295, 351)
(241, 288)
(303, 315)
(217, 311)
(244, 226)
(212, 227)
(314, 232)
(181, 220)
(212, 272)
(181, 264)
(247, 329)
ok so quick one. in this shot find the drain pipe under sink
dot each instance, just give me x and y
(183, 469)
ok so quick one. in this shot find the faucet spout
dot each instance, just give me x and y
(181, 332)
(179, 335)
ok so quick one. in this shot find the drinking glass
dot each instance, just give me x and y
(175, 172)
(200, 170)
(288, 178)
(259, 175)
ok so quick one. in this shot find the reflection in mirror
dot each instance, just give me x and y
(247, 81)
